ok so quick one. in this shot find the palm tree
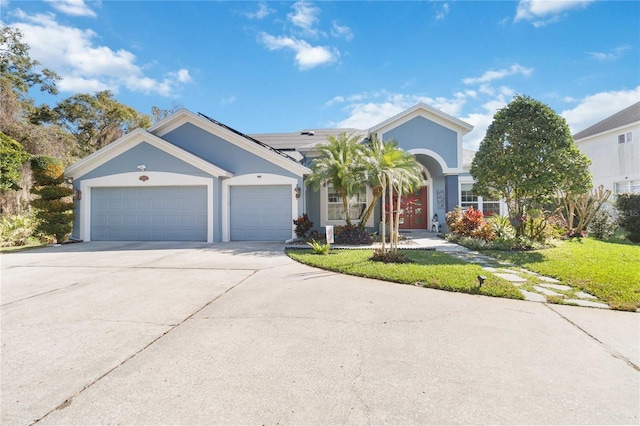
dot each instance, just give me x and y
(389, 167)
(340, 165)
(400, 180)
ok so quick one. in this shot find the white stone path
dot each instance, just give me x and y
(534, 287)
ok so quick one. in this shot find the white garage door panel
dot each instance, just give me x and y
(261, 213)
(176, 213)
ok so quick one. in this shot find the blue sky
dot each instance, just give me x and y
(285, 66)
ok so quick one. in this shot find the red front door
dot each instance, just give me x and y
(414, 208)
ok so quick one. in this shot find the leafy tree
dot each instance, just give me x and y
(160, 114)
(19, 73)
(340, 164)
(53, 210)
(12, 155)
(19, 69)
(94, 120)
(526, 156)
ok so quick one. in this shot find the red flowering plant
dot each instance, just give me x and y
(303, 226)
(471, 223)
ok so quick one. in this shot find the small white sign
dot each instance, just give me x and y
(329, 234)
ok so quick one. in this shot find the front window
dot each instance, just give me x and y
(626, 186)
(625, 138)
(335, 208)
(469, 199)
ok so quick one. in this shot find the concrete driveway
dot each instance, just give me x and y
(131, 333)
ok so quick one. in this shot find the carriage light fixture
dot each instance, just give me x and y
(296, 191)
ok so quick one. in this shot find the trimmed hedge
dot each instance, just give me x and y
(628, 206)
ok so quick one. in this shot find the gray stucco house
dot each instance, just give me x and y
(191, 178)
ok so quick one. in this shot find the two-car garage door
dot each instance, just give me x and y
(162, 213)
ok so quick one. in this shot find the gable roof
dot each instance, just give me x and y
(436, 115)
(622, 118)
(129, 141)
(230, 135)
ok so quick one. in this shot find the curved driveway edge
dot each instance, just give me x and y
(159, 333)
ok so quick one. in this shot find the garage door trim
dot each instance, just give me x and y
(254, 179)
(133, 179)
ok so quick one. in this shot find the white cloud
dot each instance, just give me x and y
(365, 115)
(609, 56)
(341, 31)
(599, 106)
(369, 108)
(499, 74)
(262, 12)
(84, 66)
(72, 7)
(444, 11)
(307, 56)
(304, 16)
(543, 12)
(228, 100)
(182, 75)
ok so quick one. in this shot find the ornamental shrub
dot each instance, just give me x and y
(471, 223)
(603, 225)
(628, 206)
(52, 192)
(352, 235)
(303, 226)
(54, 208)
(16, 230)
(47, 171)
(501, 225)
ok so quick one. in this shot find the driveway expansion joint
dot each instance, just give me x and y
(613, 353)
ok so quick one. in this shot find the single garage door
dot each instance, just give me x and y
(261, 213)
(172, 213)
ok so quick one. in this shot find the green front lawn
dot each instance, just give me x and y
(430, 269)
(608, 270)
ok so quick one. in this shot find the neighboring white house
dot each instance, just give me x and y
(613, 145)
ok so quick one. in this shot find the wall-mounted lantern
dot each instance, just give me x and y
(297, 191)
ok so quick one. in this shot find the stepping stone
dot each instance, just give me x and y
(490, 269)
(511, 278)
(548, 279)
(547, 292)
(556, 286)
(533, 297)
(583, 295)
(587, 303)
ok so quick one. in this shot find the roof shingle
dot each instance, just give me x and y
(626, 116)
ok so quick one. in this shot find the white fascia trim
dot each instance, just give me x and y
(133, 180)
(253, 179)
(324, 209)
(131, 140)
(446, 170)
(426, 111)
(184, 116)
